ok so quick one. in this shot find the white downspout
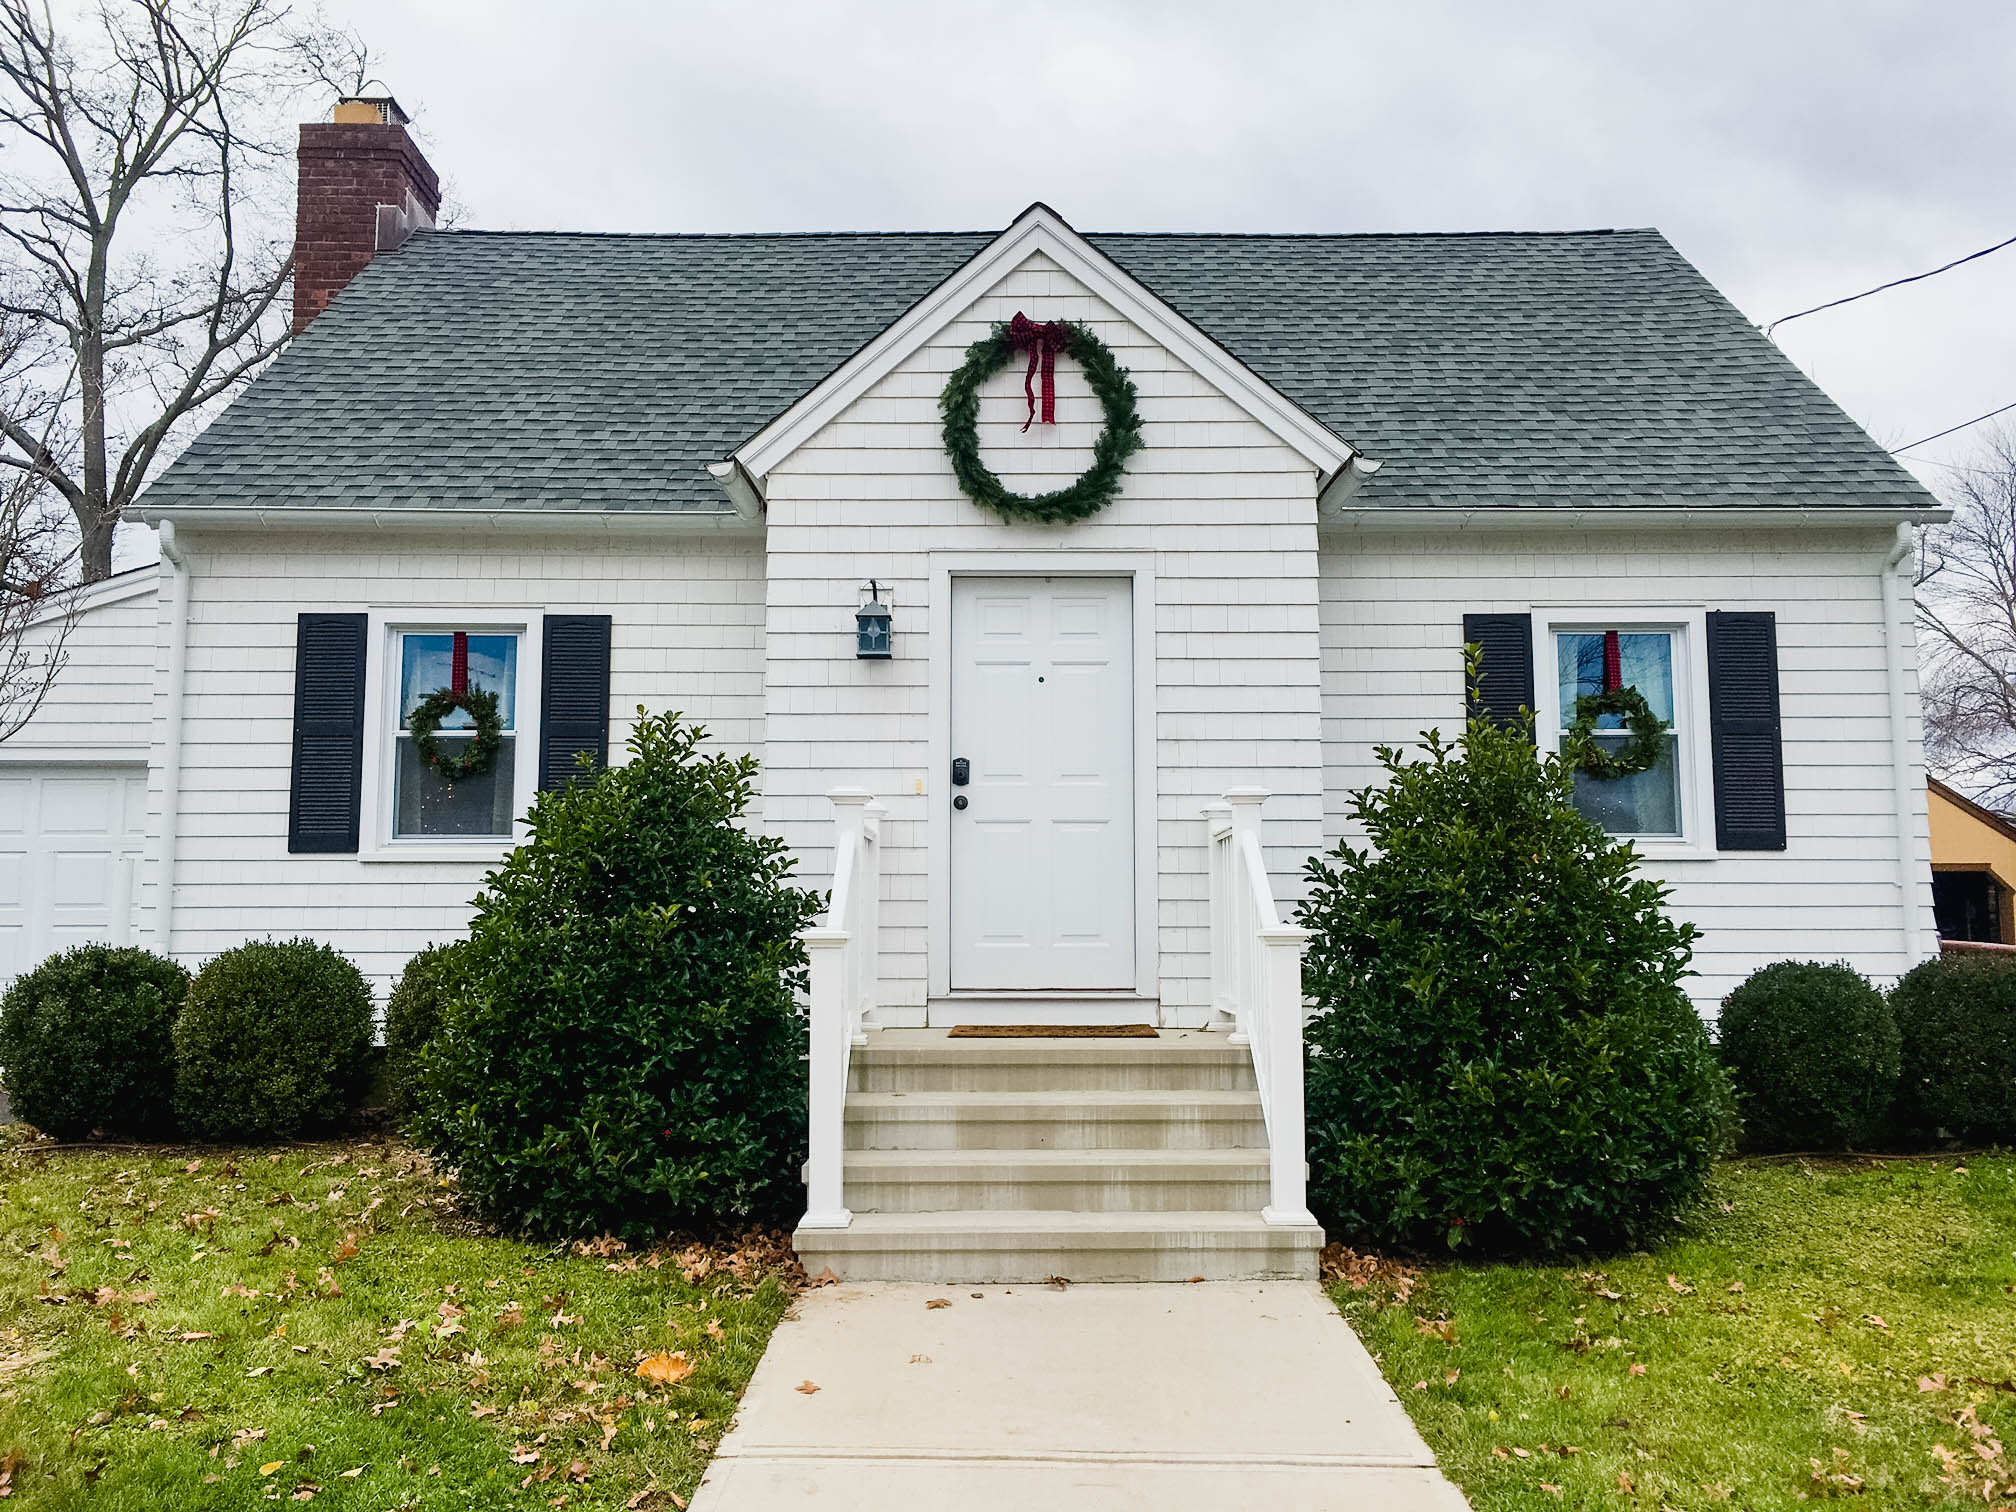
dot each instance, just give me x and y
(171, 739)
(1903, 799)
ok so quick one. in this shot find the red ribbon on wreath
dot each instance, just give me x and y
(458, 664)
(1042, 342)
(1613, 662)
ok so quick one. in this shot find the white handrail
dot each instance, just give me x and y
(841, 951)
(1256, 982)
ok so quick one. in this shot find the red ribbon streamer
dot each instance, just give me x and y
(458, 663)
(1613, 662)
(1042, 342)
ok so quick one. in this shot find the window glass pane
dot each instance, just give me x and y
(424, 803)
(1645, 803)
(426, 666)
(1645, 658)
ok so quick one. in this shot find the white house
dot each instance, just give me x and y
(669, 471)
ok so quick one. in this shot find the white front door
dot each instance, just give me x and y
(1042, 870)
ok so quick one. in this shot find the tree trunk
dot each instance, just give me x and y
(94, 553)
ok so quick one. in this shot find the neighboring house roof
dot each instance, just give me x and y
(535, 370)
(2000, 825)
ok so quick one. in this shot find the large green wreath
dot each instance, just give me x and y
(1096, 486)
(486, 739)
(1640, 754)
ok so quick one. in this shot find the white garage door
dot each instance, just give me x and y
(70, 839)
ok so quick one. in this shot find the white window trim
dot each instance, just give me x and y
(377, 842)
(1688, 625)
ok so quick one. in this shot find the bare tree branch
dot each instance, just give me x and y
(149, 200)
(1967, 626)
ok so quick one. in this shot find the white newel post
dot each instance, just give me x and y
(839, 976)
(1287, 1142)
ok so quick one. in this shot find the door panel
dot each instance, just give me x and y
(66, 837)
(1042, 859)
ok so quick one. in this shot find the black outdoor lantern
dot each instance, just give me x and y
(871, 626)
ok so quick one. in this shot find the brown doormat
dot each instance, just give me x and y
(1052, 1031)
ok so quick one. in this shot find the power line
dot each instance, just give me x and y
(1894, 283)
(1898, 451)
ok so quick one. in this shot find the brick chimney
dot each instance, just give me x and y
(364, 188)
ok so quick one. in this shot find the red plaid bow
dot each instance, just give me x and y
(1042, 342)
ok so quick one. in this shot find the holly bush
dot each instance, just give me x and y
(625, 1051)
(1813, 1049)
(1501, 1057)
(84, 1043)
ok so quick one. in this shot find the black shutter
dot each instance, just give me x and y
(573, 696)
(1743, 718)
(328, 782)
(1504, 684)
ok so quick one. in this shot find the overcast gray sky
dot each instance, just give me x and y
(1795, 151)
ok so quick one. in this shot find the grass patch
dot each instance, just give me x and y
(221, 1328)
(1822, 1330)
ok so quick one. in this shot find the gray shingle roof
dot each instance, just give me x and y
(504, 370)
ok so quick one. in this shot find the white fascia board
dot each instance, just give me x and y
(1040, 229)
(1456, 518)
(518, 521)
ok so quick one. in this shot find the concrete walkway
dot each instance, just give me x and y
(1168, 1397)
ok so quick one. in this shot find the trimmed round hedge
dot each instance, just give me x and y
(1956, 1016)
(275, 1038)
(1813, 1050)
(413, 1015)
(85, 1047)
(1501, 1058)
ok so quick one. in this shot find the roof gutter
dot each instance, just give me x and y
(1442, 518)
(529, 521)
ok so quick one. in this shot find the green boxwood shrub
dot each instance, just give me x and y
(275, 1039)
(1501, 1056)
(84, 1043)
(413, 1016)
(626, 1051)
(1813, 1051)
(1956, 1018)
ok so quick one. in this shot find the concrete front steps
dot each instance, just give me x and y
(1020, 1160)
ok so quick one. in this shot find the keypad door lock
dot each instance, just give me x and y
(962, 771)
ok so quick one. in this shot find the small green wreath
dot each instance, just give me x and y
(1119, 440)
(1640, 754)
(486, 739)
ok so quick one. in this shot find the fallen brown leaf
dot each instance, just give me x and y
(665, 1368)
(805, 1387)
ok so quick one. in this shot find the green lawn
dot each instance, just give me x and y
(221, 1328)
(1823, 1330)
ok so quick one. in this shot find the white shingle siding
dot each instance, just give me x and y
(1225, 511)
(100, 705)
(686, 635)
(1393, 608)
